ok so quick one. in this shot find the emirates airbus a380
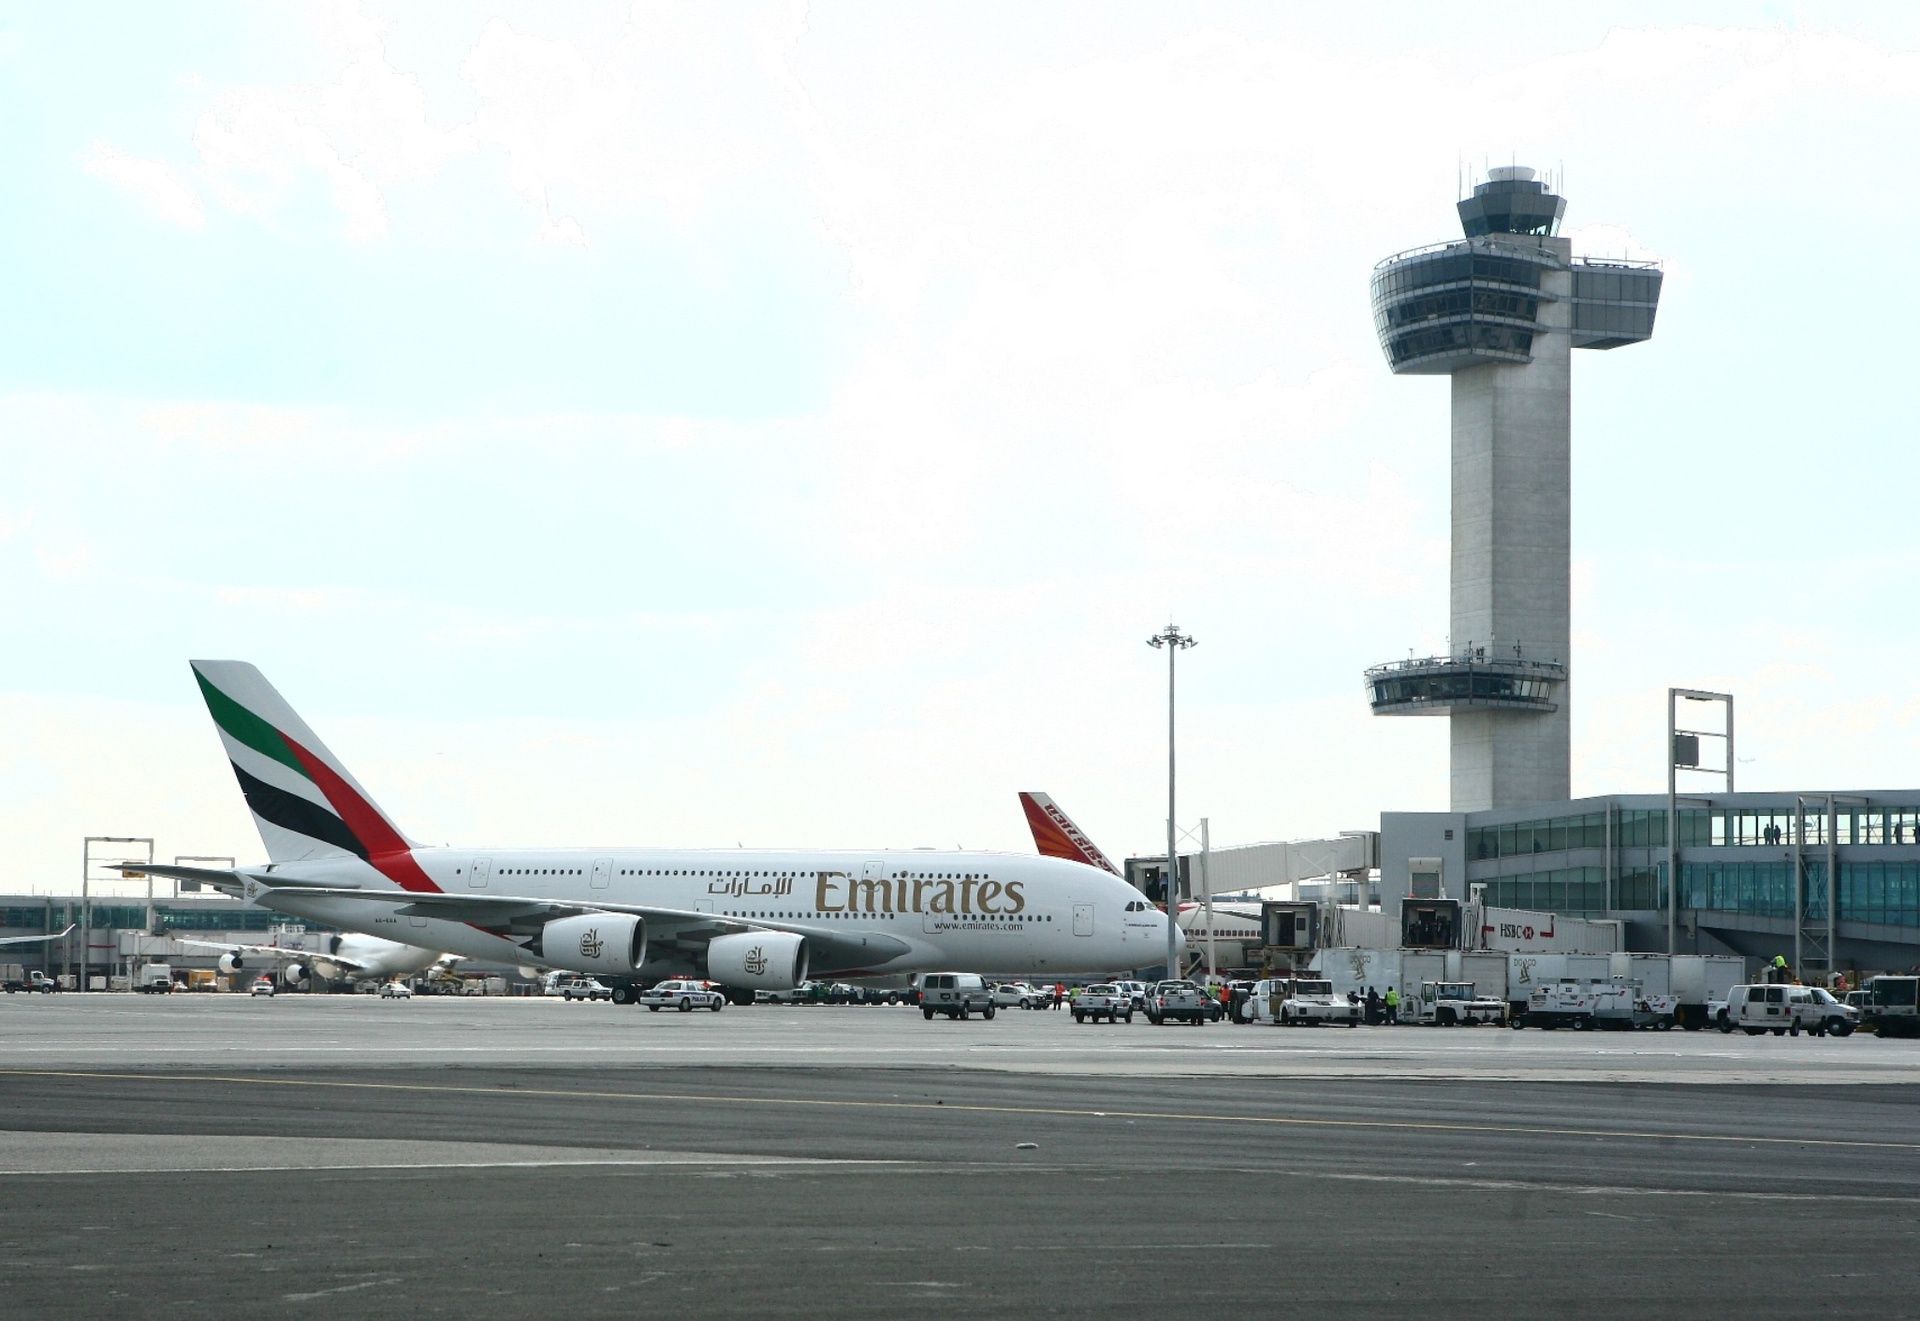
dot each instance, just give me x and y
(749, 919)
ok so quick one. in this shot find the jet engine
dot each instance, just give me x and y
(230, 963)
(294, 974)
(758, 960)
(596, 942)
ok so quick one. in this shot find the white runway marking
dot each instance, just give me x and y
(30, 1153)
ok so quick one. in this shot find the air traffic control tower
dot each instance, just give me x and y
(1500, 312)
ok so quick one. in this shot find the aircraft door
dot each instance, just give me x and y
(1083, 919)
(602, 873)
(479, 873)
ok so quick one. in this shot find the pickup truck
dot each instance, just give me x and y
(686, 996)
(1102, 1000)
(1181, 1002)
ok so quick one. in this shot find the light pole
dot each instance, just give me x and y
(1175, 642)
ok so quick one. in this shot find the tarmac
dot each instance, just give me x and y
(194, 1154)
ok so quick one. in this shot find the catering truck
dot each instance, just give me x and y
(1594, 1004)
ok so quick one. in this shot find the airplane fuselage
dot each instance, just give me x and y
(876, 912)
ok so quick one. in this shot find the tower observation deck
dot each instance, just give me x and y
(1500, 312)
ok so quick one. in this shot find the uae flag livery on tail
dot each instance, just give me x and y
(304, 802)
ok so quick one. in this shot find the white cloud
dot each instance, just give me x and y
(159, 190)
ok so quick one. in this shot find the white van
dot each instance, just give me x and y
(1787, 1011)
(955, 994)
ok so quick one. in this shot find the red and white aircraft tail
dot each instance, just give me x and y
(1055, 835)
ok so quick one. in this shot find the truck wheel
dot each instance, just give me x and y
(1129, 1016)
(1079, 1017)
(987, 1013)
(1781, 1032)
(928, 1013)
(1515, 1023)
(1840, 1028)
(653, 1009)
(1446, 1018)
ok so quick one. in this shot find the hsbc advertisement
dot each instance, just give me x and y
(1523, 931)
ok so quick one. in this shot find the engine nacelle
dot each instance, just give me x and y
(294, 974)
(596, 942)
(231, 963)
(758, 960)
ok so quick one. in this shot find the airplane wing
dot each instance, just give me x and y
(273, 951)
(227, 882)
(35, 940)
(522, 917)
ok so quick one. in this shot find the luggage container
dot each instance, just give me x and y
(1697, 981)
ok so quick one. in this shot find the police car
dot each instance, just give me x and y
(685, 996)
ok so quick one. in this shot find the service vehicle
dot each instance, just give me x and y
(155, 978)
(1012, 995)
(1594, 1004)
(1239, 998)
(681, 994)
(396, 991)
(1788, 1011)
(1102, 1000)
(33, 981)
(1449, 1004)
(1135, 991)
(1263, 999)
(1310, 1001)
(1181, 1002)
(262, 985)
(955, 994)
(1893, 1007)
(584, 988)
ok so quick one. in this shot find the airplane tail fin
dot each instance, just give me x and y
(304, 802)
(1055, 835)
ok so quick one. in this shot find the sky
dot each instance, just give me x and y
(784, 425)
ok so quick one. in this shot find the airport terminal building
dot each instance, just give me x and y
(1830, 880)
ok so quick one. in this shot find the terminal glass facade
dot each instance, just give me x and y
(1737, 859)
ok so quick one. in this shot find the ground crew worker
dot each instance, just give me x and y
(1393, 1007)
(1059, 993)
(1778, 971)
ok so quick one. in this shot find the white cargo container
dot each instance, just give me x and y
(1695, 980)
(1654, 972)
(1355, 968)
(1486, 969)
(1422, 965)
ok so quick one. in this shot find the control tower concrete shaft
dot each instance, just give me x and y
(1500, 312)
